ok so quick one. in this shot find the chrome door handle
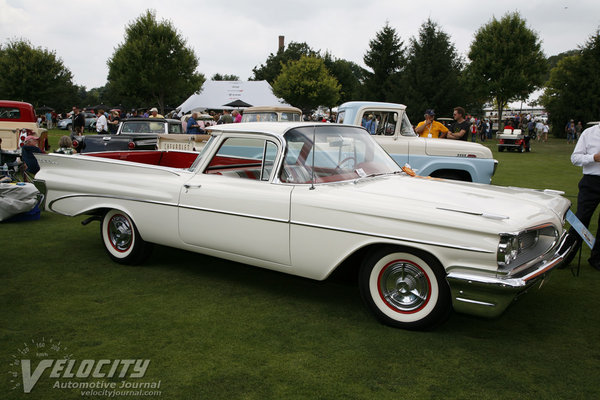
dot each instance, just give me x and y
(187, 187)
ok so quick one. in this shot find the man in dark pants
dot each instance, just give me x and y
(587, 155)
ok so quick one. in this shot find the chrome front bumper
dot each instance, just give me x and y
(489, 296)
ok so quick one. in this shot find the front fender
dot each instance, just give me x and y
(480, 170)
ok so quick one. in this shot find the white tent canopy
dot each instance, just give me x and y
(214, 95)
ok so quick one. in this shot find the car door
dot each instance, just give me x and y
(232, 204)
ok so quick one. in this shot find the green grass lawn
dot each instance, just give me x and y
(215, 329)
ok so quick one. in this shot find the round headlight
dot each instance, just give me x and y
(508, 249)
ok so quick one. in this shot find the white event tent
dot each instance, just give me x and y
(224, 95)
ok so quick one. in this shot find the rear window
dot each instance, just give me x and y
(175, 128)
(10, 113)
(260, 117)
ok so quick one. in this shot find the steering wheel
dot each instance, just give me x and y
(339, 166)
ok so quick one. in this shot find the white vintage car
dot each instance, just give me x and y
(307, 199)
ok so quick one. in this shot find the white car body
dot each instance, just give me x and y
(474, 246)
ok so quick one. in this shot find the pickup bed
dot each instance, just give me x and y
(132, 134)
(441, 158)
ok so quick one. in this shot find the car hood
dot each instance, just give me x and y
(428, 207)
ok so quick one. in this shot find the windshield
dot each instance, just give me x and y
(332, 154)
(202, 153)
(406, 128)
(143, 127)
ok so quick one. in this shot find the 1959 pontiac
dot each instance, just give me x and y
(307, 199)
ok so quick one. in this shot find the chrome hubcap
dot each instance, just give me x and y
(120, 232)
(404, 286)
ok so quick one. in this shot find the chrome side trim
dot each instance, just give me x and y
(281, 220)
(364, 233)
(481, 214)
(480, 303)
(235, 214)
(103, 196)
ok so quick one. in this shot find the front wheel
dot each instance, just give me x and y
(405, 289)
(122, 240)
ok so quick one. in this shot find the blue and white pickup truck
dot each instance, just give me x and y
(450, 159)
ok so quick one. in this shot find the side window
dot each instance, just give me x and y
(378, 122)
(386, 122)
(248, 158)
(269, 161)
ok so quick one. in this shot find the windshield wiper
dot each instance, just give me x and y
(371, 175)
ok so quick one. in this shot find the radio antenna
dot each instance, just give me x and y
(312, 173)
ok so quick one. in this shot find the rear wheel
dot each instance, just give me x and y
(405, 289)
(122, 240)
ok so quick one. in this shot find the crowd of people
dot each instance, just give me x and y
(533, 128)
(464, 126)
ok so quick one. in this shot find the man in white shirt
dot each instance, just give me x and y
(101, 123)
(587, 155)
(539, 129)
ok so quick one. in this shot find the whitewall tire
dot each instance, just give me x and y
(121, 238)
(405, 288)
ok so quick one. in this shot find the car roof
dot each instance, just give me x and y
(273, 128)
(169, 120)
(272, 109)
(14, 103)
(370, 104)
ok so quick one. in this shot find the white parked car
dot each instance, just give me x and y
(307, 199)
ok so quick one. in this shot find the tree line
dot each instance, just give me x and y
(155, 66)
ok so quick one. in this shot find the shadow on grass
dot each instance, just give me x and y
(339, 295)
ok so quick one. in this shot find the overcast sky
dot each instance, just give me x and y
(232, 37)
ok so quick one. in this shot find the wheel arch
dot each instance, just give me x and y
(454, 174)
(98, 212)
(349, 267)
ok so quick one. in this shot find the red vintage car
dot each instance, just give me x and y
(17, 121)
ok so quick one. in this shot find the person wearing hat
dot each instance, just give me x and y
(154, 113)
(30, 147)
(430, 127)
